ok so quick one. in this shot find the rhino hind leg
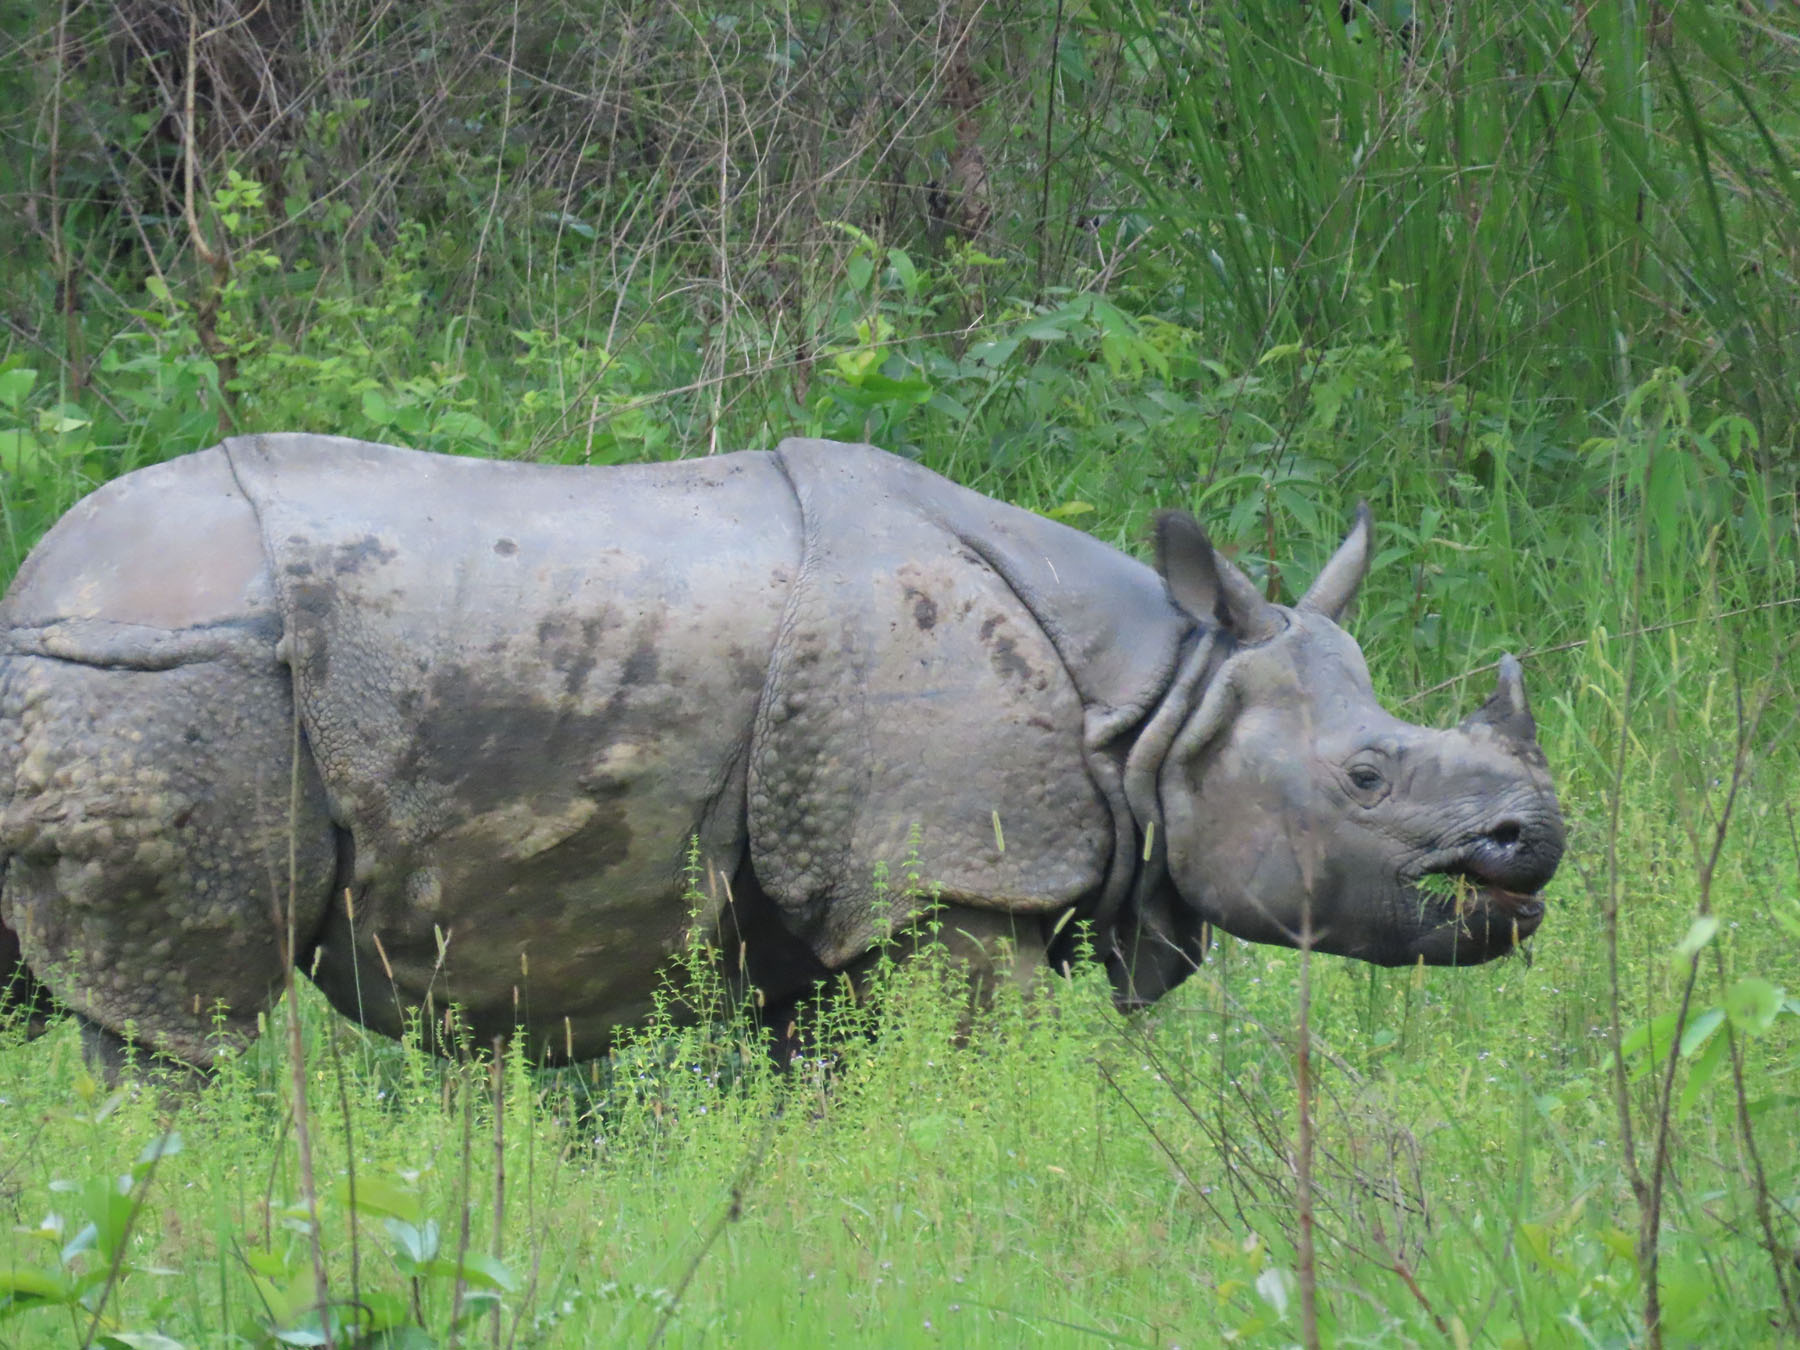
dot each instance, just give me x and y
(147, 843)
(25, 1002)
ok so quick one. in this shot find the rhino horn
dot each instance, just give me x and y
(1206, 584)
(1335, 587)
(1506, 710)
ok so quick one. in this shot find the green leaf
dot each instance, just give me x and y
(15, 384)
(309, 1332)
(1281, 352)
(1697, 1032)
(1706, 1065)
(163, 1146)
(488, 1272)
(465, 426)
(377, 1196)
(1652, 1035)
(986, 357)
(483, 1272)
(268, 1264)
(1753, 1004)
(1069, 510)
(859, 269)
(1049, 328)
(381, 1311)
(29, 1282)
(904, 270)
(376, 408)
(57, 422)
(417, 1243)
(138, 1340)
(1699, 933)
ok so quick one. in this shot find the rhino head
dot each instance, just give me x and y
(1298, 811)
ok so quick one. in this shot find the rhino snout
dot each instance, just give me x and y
(1516, 854)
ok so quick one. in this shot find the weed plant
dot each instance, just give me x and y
(1520, 275)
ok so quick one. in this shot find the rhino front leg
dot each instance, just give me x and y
(148, 840)
(994, 948)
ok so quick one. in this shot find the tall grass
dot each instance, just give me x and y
(1542, 201)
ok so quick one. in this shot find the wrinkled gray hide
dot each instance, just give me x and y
(458, 721)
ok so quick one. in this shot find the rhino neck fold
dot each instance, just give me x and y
(1143, 869)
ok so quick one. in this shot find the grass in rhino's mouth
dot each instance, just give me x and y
(1468, 895)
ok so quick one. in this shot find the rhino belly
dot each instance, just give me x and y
(529, 689)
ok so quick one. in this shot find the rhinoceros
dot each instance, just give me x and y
(465, 728)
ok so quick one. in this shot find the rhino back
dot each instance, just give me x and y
(527, 688)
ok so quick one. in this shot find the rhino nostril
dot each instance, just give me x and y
(1506, 834)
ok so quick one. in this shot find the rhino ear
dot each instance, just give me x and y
(1506, 710)
(1335, 587)
(1205, 584)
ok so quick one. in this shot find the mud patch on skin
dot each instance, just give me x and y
(350, 559)
(924, 611)
(574, 655)
(1003, 651)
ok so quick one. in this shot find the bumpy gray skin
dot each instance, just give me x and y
(454, 724)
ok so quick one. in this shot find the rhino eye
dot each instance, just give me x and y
(1365, 779)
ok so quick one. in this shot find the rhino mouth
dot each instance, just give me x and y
(1486, 910)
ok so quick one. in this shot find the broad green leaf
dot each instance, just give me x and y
(890, 390)
(138, 1340)
(58, 422)
(417, 1243)
(1050, 328)
(378, 1196)
(1653, 1035)
(15, 384)
(989, 356)
(465, 426)
(904, 270)
(1281, 352)
(29, 1282)
(1069, 510)
(1697, 1031)
(489, 1272)
(1699, 933)
(376, 407)
(268, 1264)
(1705, 1065)
(1753, 1004)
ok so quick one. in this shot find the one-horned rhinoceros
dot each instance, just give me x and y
(456, 722)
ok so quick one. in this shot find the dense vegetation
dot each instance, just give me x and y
(1521, 274)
